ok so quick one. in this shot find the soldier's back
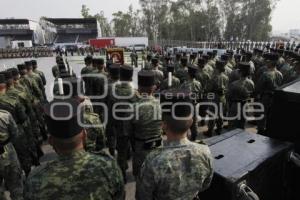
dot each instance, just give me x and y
(178, 170)
(80, 175)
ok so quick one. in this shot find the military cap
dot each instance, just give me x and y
(7, 74)
(248, 54)
(126, 72)
(28, 64)
(200, 52)
(21, 67)
(220, 65)
(154, 61)
(225, 57)
(33, 62)
(206, 57)
(280, 51)
(178, 101)
(271, 57)
(193, 56)
(88, 59)
(2, 78)
(146, 78)
(14, 72)
(149, 57)
(244, 66)
(237, 57)
(201, 61)
(210, 54)
(184, 60)
(114, 70)
(62, 118)
(229, 51)
(178, 55)
(215, 52)
(170, 68)
(98, 61)
(192, 70)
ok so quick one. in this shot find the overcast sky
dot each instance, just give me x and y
(285, 17)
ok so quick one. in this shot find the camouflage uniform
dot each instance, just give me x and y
(96, 139)
(267, 84)
(194, 87)
(239, 92)
(165, 84)
(55, 71)
(145, 129)
(159, 77)
(98, 89)
(182, 74)
(178, 170)
(79, 175)
(208, 68)
(218, 85)
(203, 77)
(10, 169)
(126, 94)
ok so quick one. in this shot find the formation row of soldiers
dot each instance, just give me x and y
(26, 52)
(22, 126)
(173, 168)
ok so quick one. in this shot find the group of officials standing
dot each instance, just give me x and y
(103, 111)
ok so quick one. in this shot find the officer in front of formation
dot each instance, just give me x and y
(180, 169)
(75, 174)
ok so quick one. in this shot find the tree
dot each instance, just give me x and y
(104, 24)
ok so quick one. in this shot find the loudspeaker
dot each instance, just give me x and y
(244, 159)
(283, 121)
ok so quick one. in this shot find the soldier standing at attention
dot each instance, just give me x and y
(98, 87)
(239, 92)
(123, 97)
(266, 85)
(218, 86)
(168, 84)
(159, 75)
(194, 88)
(113, 78)
(10, 169)
(145, 126)
(40, 73)
(86, 70)
(182, 72)
(180, 169)
(75, 174)
(134, 59)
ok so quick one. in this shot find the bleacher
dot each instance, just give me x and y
(66, 38)
(86, 38)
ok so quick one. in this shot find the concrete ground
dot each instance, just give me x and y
(77, 63)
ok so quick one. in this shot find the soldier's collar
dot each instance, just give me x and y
(75, 154)
(174, 143)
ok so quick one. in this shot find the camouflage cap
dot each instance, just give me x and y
(154, 61)
(244, 66)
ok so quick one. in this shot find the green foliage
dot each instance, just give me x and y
(192, 20)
